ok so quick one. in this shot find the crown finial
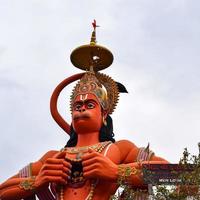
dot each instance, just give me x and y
(92, 57)
(93, 37)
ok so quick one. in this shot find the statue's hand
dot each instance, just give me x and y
(95, 165)
(54, 170)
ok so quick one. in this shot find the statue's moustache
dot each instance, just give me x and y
(81, 116)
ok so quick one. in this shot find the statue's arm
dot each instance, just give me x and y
(11, 189)
(123, 162)
(131, 153)
(132, 158)
(47, 169)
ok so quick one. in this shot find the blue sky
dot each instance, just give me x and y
(156, 49)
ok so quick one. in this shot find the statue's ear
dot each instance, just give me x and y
(121, 88)
(104, 114)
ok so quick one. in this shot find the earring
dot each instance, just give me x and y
(104, 121)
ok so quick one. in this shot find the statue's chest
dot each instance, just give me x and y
(74, 156)
(78, 186)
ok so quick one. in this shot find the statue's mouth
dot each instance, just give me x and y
(79, 117)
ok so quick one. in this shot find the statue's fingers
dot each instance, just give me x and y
(67, 164)
(90, 168)
(57, 167)
(87, 162)
(59, 162)
(54, 161)
(60, 154)
(56, 179)
(53, 166)
(90, 155)
(58, 173)
(91, 174)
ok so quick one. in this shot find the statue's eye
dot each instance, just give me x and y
(90, 105)
(77, 107)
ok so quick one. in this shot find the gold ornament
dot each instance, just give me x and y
(104, 121)
(91, 55)
(124, 172)
(102, 86)
(28, 184)
(111, 88)
(96, 147)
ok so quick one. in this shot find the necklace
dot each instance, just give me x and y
(80, 150)
(97, 147)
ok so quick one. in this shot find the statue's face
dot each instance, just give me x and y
(86, 114)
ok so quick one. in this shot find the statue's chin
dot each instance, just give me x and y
(86, 127)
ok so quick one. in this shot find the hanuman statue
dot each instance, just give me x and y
(92, 164)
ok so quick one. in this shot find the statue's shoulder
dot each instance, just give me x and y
(125, 144)
(128, 150)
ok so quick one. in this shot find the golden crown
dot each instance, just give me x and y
(102, 86)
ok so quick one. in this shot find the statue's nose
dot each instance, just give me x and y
(83, 108)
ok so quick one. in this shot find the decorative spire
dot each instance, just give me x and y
(91, 57)
(93, 37)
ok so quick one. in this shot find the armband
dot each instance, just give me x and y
(124, 172)
(28, 184)
(26, 171)
(144, 154)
